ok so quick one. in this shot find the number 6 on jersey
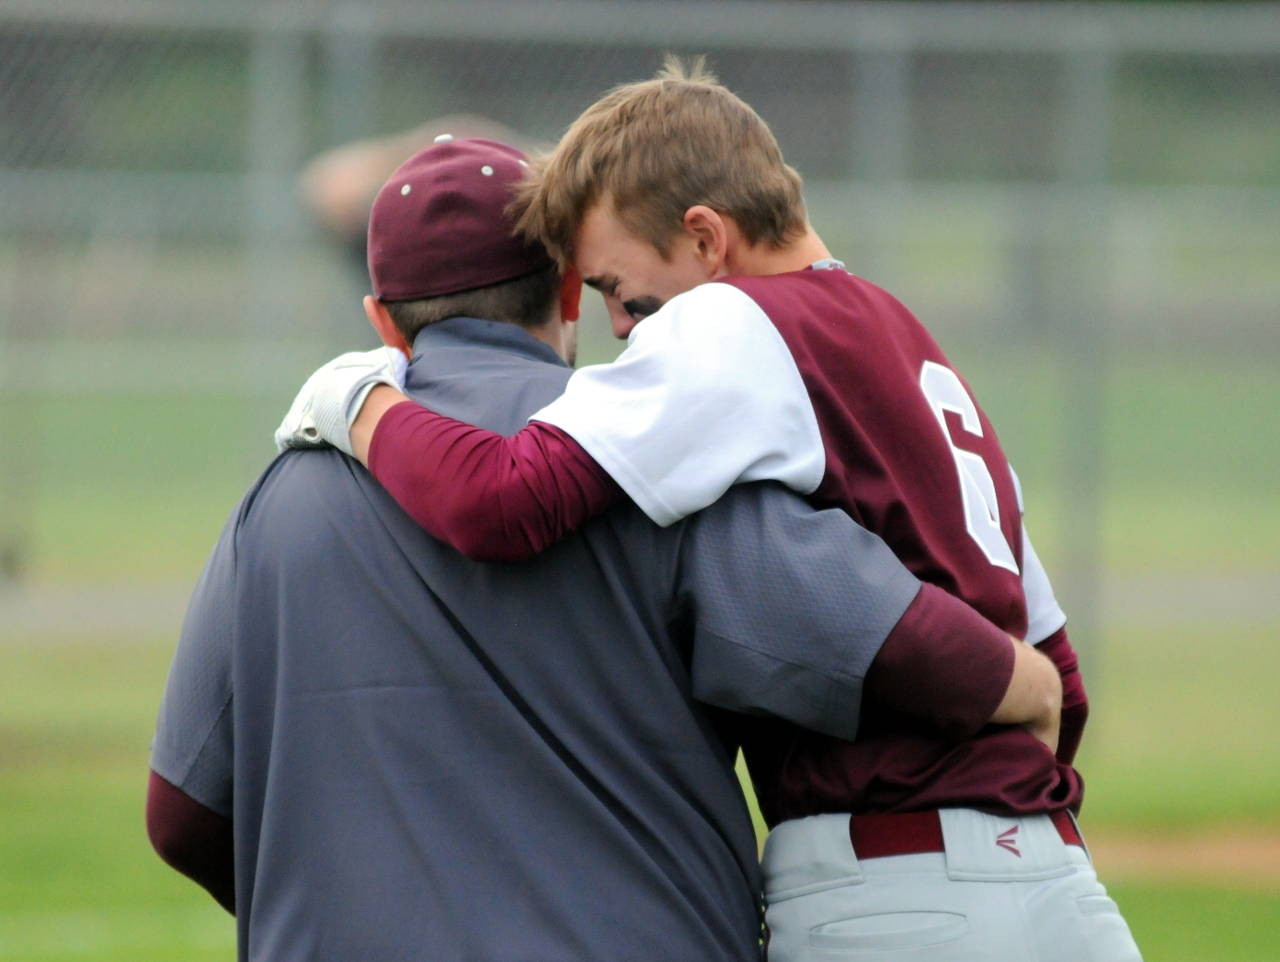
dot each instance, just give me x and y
(945, 392)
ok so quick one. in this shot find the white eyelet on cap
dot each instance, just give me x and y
(442, 138)
(487, 170)
(404, 191)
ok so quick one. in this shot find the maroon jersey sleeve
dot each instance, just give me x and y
(494, 498)
(1075, 702)
(192, 839)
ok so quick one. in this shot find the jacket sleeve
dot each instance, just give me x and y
(189, 795)
(794, 609)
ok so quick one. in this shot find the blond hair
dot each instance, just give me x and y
(652, 150)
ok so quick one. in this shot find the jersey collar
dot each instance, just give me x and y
(475, 331)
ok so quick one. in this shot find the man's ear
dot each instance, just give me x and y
(381, 320)
(711, 236)
(570, 295)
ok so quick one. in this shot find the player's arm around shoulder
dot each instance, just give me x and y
(803, 614)
(788, 605)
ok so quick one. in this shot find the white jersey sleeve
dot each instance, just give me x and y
(705, 395)
(1044, 614)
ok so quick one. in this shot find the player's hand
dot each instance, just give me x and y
(1048, 727)
(328, 403)
(1034, 696)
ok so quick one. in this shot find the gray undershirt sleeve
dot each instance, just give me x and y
(789, 607)
(192, 747)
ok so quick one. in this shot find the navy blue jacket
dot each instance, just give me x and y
(426, 757)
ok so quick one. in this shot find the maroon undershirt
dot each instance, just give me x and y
(493, 498)
(193, 839)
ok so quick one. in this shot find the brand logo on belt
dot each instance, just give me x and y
(1008, 840)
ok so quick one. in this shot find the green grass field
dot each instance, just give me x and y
(78, 880)
(1183, 736)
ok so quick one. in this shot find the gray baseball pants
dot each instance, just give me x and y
(1002, 890)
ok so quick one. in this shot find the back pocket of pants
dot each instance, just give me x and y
(891, 930)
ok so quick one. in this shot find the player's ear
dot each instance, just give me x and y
(381, 320)
(710, 234)
(570, 294)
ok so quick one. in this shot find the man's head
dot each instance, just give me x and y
(442, 245)
(659, 186)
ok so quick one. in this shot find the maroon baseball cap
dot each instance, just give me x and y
(439, 224)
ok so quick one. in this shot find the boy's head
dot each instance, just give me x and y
(441, 244)
(636, 164)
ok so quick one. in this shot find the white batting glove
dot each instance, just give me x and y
(329, 402)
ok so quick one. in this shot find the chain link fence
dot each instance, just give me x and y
(1056, 189)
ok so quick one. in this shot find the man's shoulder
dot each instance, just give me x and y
(302, 488)
(749, 506)
(320, 506)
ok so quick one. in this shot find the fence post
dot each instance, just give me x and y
(350, 98)
(881, 152)
(277, 115)
(1081, 331)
